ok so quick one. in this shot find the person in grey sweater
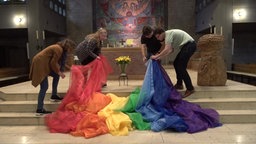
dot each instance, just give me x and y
(178, 40)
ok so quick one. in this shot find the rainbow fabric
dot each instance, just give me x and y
(156, 106)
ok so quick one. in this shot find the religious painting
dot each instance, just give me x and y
(124, 19)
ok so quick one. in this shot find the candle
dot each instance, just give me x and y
(43, 35)
(214, 30)
(27, 45)
(221, 30)
(232, 46)
(37, 36)
(210, 28)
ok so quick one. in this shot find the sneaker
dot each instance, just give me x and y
(55, 98)
(42, 112)
(178, 87)
(104, 85)
(188, 93)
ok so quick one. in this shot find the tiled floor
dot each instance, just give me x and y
(227, 134)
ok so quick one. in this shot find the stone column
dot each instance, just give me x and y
(212, 68)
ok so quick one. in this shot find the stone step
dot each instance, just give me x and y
(117, 90)
(26, 106)
(216, 103)
(226, 103)
(226, 117)
(21, 119)
(237, 116)
(235, 102)
(199, 93)
(224, 94)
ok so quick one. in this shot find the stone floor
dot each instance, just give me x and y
(227, 134)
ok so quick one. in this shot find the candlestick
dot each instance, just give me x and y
(37, 36)
(27, 45)
(210, 28)
(43, 35)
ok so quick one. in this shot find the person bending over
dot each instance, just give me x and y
(49, 62)
(179, 40)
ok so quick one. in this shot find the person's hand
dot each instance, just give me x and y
(155, 57)
(62, 75)
(144, 59)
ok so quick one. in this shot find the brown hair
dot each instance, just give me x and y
(158, 31)
(146, 30)
(67, 44)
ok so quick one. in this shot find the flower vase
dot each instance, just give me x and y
(123, 69)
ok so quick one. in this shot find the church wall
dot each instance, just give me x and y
(180, 14)
(8, 13)
(216, 15)
(79, 19)
(249, 6)
(125, 19)
(244, 30)
(244, 48)
(22, 38)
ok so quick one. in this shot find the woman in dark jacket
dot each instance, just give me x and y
(90, 48)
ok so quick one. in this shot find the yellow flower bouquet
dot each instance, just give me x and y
(123, 60)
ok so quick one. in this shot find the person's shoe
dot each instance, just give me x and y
(104, 85)
(188, 93)
(55, 98)
(178, 87)
(42, 112)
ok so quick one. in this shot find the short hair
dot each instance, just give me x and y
(158, 31)
(147, 30)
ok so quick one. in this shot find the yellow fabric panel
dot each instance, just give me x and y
(118, 123)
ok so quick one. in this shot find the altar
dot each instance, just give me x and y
(136, 69)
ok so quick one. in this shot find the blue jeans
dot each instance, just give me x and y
(180, 64)
(44, 88)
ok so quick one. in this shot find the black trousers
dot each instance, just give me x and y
(87, 60)
(181, 62)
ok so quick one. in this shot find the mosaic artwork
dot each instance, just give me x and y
(124, 19)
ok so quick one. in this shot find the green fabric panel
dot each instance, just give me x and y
(129, 109)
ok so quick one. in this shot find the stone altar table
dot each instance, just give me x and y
(135, 69)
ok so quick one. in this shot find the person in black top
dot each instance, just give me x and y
(149, 44)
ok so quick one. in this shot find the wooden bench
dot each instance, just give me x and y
(243, 77)
(9, 76)
(247, 68)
